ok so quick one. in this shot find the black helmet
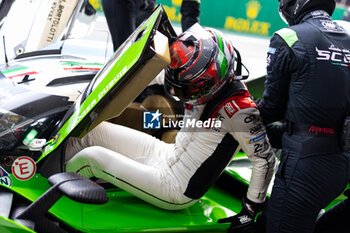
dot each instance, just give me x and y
(291, 10)
(202, 62)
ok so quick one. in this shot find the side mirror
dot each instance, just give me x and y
(78, 188)
(74, 186)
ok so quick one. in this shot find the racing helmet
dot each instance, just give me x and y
(202, 62)
(290, 10)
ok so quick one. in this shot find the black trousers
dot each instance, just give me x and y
(335, 220)
(308, 178)
(190, 11)
(123, 16)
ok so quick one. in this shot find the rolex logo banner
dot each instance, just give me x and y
(252, 17)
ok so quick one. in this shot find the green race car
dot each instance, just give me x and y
(36, 195)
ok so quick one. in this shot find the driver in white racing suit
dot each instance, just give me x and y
(173, 176)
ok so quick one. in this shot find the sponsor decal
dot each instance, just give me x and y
(151, 120)
(319, 13)
(334, 54)
(316, 130)
(54, 18)
(19, 72)
(54, 140)
(328, 25)
(76, 66)
(101, 94)
(230, 109)
(219, 117)
(250, 119)
(244, 219)
(5, 178)
(260, 147)
(256, 129)
(256, 138)
(23, 168)
(271, 50)
(250, 25)
(336, 48)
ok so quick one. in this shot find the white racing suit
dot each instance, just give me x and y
(173, 176)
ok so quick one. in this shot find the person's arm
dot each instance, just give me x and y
(246, 126)
(281, 63)
(249, 131)
(190, 11)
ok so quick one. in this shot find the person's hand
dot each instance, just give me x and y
(274, 132)
(243, 222)
(257, 101)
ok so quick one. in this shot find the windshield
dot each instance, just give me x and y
(10, 121)
(11, 127)
(23, 110)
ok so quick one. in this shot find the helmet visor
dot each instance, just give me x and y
(180, 53)
(192, 91)
(192, 53)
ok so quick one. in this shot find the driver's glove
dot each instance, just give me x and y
(243, 222)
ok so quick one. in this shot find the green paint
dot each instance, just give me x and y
(256, 87)
(288, 35)
(126, 213)
(221, 57)
(9, 226)
(33, 188)
(109, 75)
(14, 70)
(131, 214)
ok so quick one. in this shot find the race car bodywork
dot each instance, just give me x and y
(35, 123)
(27, 26)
